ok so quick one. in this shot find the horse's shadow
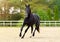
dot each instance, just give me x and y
(37, 37)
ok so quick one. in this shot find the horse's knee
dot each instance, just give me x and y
(31, 30)
(25, 31)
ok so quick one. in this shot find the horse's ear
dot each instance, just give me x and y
(27, 5)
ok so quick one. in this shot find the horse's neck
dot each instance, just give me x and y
(29, 15)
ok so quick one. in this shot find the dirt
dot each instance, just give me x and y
(47, 34)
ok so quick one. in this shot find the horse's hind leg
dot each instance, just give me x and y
(21, 30)
(25, 31)
(34, 32)
(37, 28)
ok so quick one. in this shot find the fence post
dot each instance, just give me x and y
(45, 23)
(3, 23)
(55, 23)
(49, 23)
(10, 23)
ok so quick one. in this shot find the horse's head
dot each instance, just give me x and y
(27, 8)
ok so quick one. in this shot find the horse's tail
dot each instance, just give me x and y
(37, 27)
(38, 24)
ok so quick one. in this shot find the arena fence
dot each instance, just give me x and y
(19, 23)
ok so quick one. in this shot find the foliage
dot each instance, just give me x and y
(46, 9)
(56, 16)
(16, 16)
(50, 15)
(43, 14)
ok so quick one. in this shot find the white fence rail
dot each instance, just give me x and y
(50, 23)
(42, 23)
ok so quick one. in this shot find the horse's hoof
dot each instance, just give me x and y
(22, 37)
(33, 35)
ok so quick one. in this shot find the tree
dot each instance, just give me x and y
(56, 15)
(49, 14)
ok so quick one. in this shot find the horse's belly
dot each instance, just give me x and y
(29, 23)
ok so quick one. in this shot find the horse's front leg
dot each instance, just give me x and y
(25, 31)
(31, 28)
(21, 30)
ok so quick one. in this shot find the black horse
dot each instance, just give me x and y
(30, 20)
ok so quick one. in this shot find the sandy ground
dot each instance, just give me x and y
(47, 34)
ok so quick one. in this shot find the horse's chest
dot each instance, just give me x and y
(29, 21)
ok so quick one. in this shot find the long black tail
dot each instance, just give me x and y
(37, 26)
(38, 29)
(37, 22)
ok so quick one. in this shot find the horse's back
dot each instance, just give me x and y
(37, 18)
